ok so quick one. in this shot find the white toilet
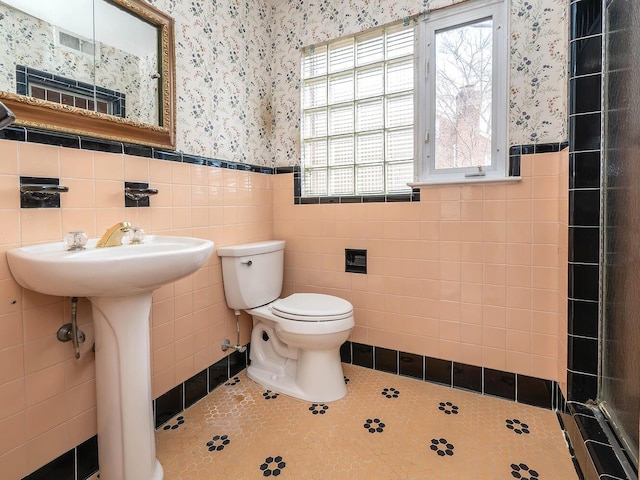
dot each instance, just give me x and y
(295, 342)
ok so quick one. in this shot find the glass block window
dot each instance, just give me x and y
(358, 114)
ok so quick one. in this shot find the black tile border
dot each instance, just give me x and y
(362, 355)
(17, 134)
(533, 391)
(515, 158)
(386, 360)
(62, 468)
(168, 405)
(410, 365)
(467, 377)
(87, 457)
(33, 135)
(28, 134)
(83, 458)
(500, 384)
(585, 162)
(589, 443)
(196, 388)
(438, 371)
(182, 396)
(52, 138)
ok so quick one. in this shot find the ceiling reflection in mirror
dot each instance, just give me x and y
(89, 54)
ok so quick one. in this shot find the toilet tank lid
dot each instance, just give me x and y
(251, 248)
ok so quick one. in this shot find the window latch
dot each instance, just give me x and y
(479, 173)
(426, 136)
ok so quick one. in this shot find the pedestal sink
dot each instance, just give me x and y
(118, 281)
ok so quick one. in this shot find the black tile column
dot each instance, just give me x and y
(585, 118)
(596, 458)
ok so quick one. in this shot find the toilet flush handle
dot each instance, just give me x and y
(248, 263)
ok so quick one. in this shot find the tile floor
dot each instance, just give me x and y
(387, 427)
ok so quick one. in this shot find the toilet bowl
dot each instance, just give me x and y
(295, 341)
(300, 356)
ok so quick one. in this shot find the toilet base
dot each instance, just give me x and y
(317, 385)
(298, 358)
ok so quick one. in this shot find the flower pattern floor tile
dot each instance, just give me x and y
(387, 427)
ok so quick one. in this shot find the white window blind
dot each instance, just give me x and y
(358, 114)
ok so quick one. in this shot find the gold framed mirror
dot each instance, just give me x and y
(81, 100)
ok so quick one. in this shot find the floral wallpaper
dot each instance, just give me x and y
(238, 69)
(28, 41)
(223, 77)
(538, 42)
(538, 91)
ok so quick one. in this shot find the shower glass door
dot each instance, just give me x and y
(619, 388)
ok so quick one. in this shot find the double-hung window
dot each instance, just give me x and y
(407, 104)
(358, 114)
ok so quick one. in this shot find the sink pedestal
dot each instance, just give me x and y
(126, 434)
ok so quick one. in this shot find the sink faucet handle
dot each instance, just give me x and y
(137, 235)
(76, 240)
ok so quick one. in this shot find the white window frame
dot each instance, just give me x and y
(467, 12)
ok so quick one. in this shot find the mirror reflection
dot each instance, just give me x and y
(89, 54)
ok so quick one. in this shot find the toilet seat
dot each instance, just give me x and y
(312, 307)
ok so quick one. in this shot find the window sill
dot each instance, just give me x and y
(466, 181)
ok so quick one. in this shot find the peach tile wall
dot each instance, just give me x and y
(47, 399)
(475, 274)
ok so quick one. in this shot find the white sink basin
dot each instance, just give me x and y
(107, 272)
(119, 282)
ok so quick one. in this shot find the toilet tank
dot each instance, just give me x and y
(252, 273)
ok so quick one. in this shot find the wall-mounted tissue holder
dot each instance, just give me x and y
(40, 192)
(355, 261)
(136, 194)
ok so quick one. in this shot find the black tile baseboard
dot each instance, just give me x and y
(83, 458)
(585, 431)
(467, 377)
(410, 365)
(182, 396)
(87, 458)
(196, 388)
(500, 384)
(386, 360)
(362, 355)
(62, 468)
(510, 386)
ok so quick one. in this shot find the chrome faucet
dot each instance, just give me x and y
(113, 235)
